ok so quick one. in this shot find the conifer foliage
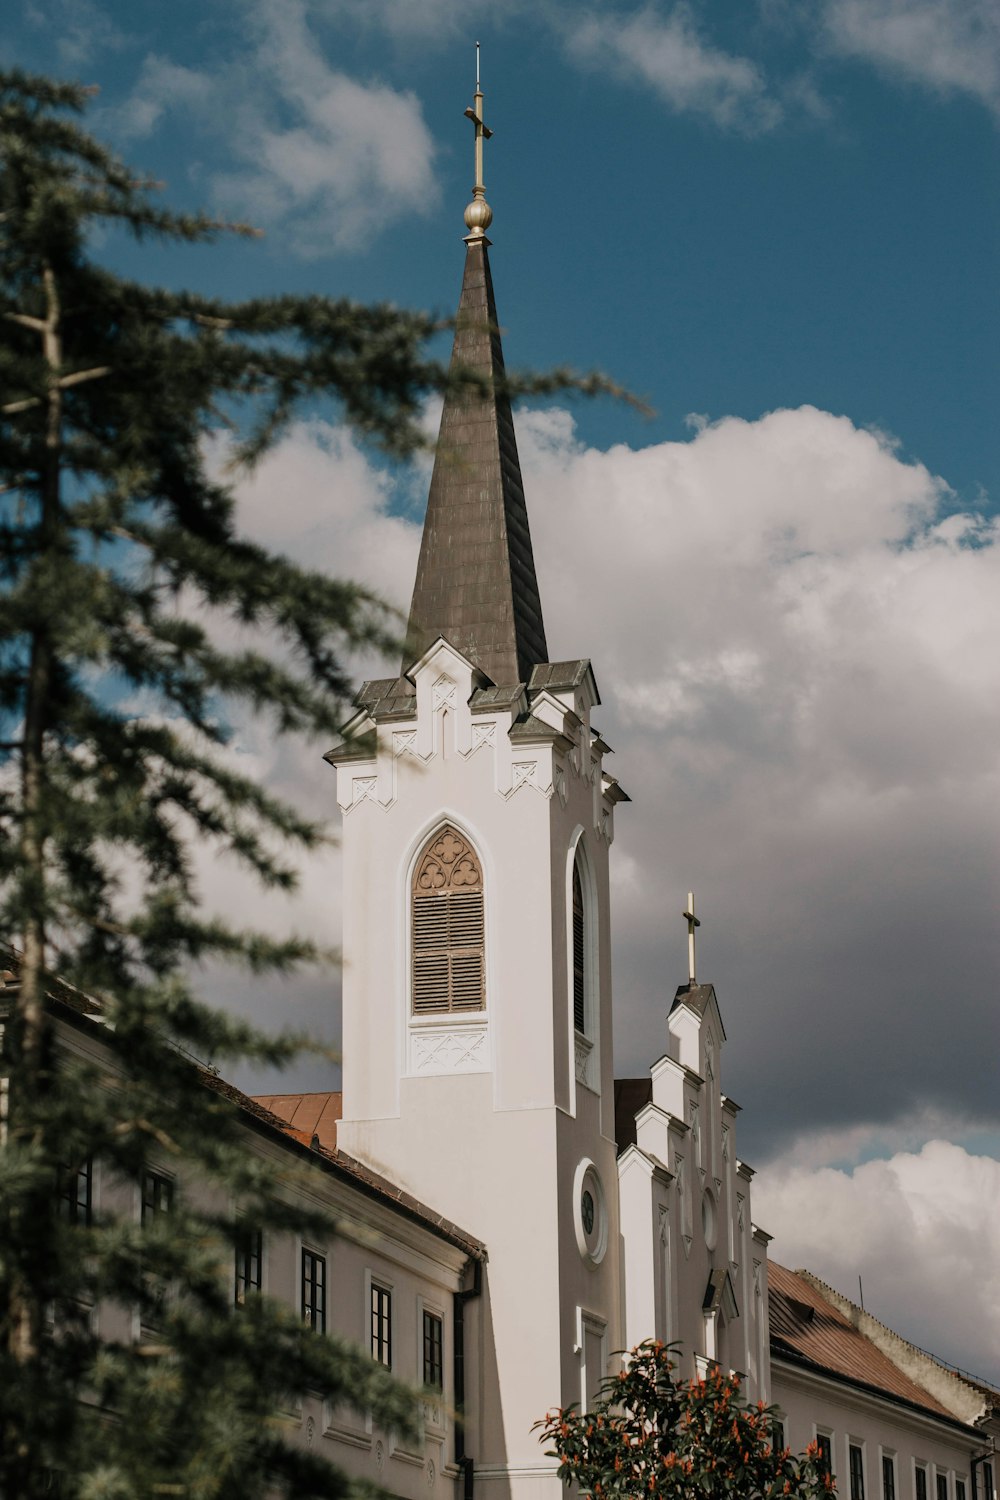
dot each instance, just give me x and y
(652, 1435)
(125, 586)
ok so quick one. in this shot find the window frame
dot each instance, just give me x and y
(856, 1469)
(159, 1202)
(920, 1490)
(70, 1202)
(438, 917)
(248, 1251)
(380, 1332)
(824, 1449)
(890, 1490)
(427, 1319)
(313, 1308)
(578, 938)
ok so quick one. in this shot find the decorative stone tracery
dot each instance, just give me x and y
(448, 969)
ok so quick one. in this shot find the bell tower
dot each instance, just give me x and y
(478, 818)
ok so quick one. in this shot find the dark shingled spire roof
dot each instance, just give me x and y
(476, 581)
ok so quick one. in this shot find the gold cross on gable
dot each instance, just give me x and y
(692, 922)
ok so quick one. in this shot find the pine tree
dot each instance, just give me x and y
(120, 557)
(652, 1435)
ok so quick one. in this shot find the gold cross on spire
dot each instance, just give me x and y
(692, 922)
(478, 215)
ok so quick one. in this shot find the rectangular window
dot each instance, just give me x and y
(157, 1196)
(824, 1452)
(920, 1484)
(314, 1290)
(942, 1486)
(382, 1325)
(249, 1258)
(76, 1192)
(888, 1477)
(959, 1489)
(856, 1460)
(777, 1435)
(987, 1482)
(433, 1351)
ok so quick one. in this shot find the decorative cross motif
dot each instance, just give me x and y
(692, 922)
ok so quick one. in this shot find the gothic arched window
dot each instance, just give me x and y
(449, 941)
(579, 965)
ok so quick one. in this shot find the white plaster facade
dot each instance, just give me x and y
(495, 1117)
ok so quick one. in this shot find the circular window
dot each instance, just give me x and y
(590, 1219)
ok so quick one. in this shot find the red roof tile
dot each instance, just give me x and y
(309, 1116)
(803, 1323)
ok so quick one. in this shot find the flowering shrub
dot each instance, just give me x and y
(650, 1435)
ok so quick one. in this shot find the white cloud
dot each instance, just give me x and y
(80, 29)
(922, 1231)
(163, 87)
(328, 158)
(670, 55)
(794, 634)
(948, 45)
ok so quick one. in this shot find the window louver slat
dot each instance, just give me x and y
(448, 928)
(430, 922)
(467, 981)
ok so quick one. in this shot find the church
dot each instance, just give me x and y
(478, 818)
(512, 1216)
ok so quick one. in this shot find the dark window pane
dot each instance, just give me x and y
(314, 1290)
(381, 1312)
(249, 1258)
(433, 1364)
(157, 1195)
(921, 1477)
(942, 1486)
(857, 1463)
(888, 1478)
(579, 978)
(76, 1188)
(824, 1454)
(777, 1435)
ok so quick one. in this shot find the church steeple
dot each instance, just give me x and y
(476, 582)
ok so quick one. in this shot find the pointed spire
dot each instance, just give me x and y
(476, 581)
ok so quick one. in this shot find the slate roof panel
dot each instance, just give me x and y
(476, 582)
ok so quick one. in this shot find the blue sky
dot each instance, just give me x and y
(778, 223)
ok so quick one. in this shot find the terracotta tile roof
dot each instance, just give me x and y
(307, 1115)
(804, 1326)
(344, 1166)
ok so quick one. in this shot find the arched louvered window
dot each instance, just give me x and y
(449, 958)
(579, 969)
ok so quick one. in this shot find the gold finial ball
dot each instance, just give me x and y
(478, 216)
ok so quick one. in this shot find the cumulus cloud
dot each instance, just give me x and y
(793, 628)
(670, 54)
(952, 46)
(793, 633)
(327, 157)
(920, 1229)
